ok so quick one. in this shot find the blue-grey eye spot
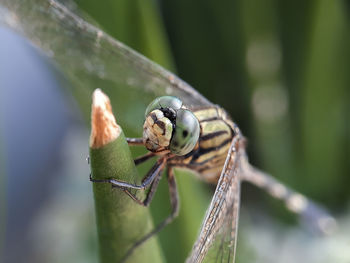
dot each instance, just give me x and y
(184, 133)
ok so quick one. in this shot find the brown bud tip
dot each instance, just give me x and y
(104, 128)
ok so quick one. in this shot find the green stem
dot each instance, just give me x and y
(120, 221)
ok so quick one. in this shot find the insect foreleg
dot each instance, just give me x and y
(144, 158)
(150, 193)
(135, 141)
(147, 180)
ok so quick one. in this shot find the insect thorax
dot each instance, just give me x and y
(209, 155)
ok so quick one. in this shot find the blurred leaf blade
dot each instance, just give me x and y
(325, 79)
(136, 23)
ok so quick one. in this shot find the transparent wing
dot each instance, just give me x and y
(91, 59)
(224, 245)
(217, 238)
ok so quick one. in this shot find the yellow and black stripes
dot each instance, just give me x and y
(216, 133)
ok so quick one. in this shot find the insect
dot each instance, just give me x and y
(205, 140)
(144, 79)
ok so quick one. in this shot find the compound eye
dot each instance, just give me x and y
(164, 102)
(186, 133)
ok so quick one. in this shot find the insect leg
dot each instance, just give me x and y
(174, 197)
(147, 180)
(174, 200)
(150, 193)
(295, 202)
(135, 141)
(144, 158)
(138, 142)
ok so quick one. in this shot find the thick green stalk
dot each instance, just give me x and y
(120, 221)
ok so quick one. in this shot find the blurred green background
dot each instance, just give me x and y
(281, 69)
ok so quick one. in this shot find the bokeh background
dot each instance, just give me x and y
(280, 68)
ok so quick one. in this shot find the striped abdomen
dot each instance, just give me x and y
(208, 156)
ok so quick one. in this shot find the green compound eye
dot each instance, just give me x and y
(186, 133)
(164, 102)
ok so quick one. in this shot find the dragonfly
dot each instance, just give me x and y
(96, 59)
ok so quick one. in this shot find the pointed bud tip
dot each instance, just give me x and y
(104, 128)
